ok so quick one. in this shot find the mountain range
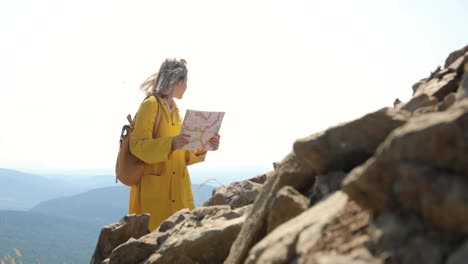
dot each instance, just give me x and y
(52, 220)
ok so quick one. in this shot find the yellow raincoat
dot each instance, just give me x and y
(165, 187)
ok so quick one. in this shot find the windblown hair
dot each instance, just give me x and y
(162, 82)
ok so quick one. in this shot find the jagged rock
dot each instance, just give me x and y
(290, 171)
(460, 255)
(111, 236)
(448, 101)
(455, 55)
(390, 231)
(345, 146)
(326, 185)
(333, 258)
(463, 89)
(439, 86)
(135, 250)
(421, 250)
(237, 194)
(397, 103)
(421, 166)
(301, 238)
(457, 65)
(422, 100)
(287, 204)
(204, 237)
(401, 238)
(174, 219)
(260, 178)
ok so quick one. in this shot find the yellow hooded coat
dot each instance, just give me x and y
(165, 187)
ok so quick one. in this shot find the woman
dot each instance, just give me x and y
(165, 187)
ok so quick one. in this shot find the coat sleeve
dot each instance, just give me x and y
(142, 144)
(191, 158)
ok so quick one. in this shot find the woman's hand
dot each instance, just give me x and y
(180, 141)
(214, 141)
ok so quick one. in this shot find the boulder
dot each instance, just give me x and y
(204, 237)
(287, 204)
(236, 194)
(422, 166)
(111, 236)
(345, 146)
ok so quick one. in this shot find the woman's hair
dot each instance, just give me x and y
(162, 82)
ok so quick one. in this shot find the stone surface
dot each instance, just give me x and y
(326, 185)
(421, 166)
(290, 171)
(287, 204)
(111, 236)
(440, 86)
(205, 237)
(419, 101)
(236, 194)
(279, 246)
(345, 146)
(135, 250)
(462, 92)
(460, 256)
(455, 55)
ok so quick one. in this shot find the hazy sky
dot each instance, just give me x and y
(281, 70)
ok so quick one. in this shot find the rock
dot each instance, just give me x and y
(333, 258)
(313, 232)
(434, 194)
(276, 246)
(205, 237)
(260, 178)
(463, 89)
(326, 185)
(460, 255)
(455, 55)
(111, 236)
(457, 65)
(421, 250)
(236, 195)
(448, 101)
(291, 171)
(345, 146)
(390, 231)
(287, 204)
(440, 86)
(174, 219)
(397, 103)
(135, 250)
(419, 101)
(421, 166)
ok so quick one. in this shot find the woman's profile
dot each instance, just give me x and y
(165, 187)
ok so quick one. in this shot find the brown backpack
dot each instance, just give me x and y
(128, 168)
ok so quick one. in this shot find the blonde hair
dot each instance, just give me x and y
(162, 82)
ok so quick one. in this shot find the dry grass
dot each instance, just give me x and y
(15, 259)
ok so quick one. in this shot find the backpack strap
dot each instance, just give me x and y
(157, 121)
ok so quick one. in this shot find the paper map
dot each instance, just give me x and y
(201, 126)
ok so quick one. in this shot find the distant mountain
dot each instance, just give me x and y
(46, 239)
(103, 206)
(100, 206)
(65, 229)
(21, 191)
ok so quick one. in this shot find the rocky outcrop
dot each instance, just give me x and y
(111, 236)
(421, 166)
(389, 187)
(345, 146)
(238, 194)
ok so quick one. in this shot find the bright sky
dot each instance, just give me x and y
(281, 70)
